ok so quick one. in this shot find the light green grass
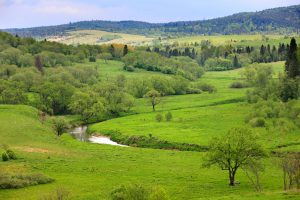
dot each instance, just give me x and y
(91, 171)
(94, 37)
(234, 40)
(197, 118)
(192, 125)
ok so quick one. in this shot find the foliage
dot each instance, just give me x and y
(159, 117)
(289, 88)
(289, 82)
(5, 157)
(205, 87)
(257, 122)
(55, 97)
(290, 164)
(218, 64)
(261, 78)
(16, 181)
(283, 19)
(116, 100)
(89, 105)
(157, 63)
(59, 194)
(236, 149)
(168, 116)
(279, 112)
(60, 125)
(139, 192)
(154, 98)
(238, 85)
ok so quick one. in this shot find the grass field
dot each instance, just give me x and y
(100, 37)
(196, 118)
(234, 40)
(91, 171)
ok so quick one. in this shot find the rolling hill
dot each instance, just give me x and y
(277, 20)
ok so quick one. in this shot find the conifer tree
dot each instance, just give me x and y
(125, 50)
(292, 65)
(236, 62)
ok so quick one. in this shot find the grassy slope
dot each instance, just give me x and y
(90, 171)
(234, 40)
(197, 118)
(94, 36)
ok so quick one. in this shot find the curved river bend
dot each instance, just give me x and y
(80, 134)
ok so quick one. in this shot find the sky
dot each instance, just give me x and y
(31, 13)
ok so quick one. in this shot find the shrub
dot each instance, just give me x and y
(11, 154)
(59, 125)
(139, 192)
(258, 122)
(205, 87)
(59, 194)
(129, 68)
(5, 157)
(238, 85)
(8, 181)
(193, 91)
(218, 64)
(169, 116)
(158, 193)
(92, 59)
(159, 117)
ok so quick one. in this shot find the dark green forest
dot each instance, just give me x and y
(278, 20)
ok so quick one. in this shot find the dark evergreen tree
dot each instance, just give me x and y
(193, 53)
(125, 50)
(187, 52)
(292, 65)
(39, 65)
(226, 54)
(236, 63)
(248, 50)
(112, 50)
(262, 50)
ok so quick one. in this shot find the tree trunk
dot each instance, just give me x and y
(284, 180)
(231, 178)
(153, 107)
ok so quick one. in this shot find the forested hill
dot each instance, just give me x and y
(279, 20)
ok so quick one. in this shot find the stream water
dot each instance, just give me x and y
(80, 134)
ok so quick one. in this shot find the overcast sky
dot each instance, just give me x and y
(30, 13)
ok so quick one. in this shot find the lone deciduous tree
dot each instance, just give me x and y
(60, 125)
(238, 148)
(154, 97)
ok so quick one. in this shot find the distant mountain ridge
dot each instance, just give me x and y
(280, 20)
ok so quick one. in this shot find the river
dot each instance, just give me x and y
(80, 134)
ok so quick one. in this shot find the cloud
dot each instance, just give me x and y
(20, 13)
(29, 13)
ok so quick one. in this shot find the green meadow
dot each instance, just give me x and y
(255, 40)
(92, 171)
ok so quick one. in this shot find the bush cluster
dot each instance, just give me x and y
(139, 192)
(152, 142)
(15, 181)
(8, 154)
